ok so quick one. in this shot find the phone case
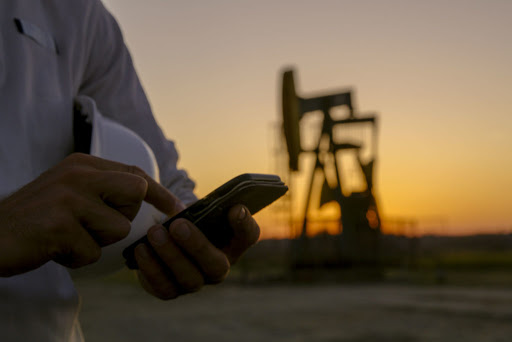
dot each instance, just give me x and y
(209, 214)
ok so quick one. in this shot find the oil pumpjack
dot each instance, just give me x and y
(357, 243)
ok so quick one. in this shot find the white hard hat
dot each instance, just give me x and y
(110, 140)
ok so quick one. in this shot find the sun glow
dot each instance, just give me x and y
(438, 77)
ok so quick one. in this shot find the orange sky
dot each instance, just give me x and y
(438, 74)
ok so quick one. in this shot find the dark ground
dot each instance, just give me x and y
(117, 311)
(431, 289)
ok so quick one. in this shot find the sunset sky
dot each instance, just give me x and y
(438, 73)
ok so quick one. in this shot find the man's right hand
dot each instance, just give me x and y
(69, 212)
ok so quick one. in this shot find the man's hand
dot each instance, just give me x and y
(182, 259)
(69, 212)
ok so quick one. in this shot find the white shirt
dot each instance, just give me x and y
(54, 51)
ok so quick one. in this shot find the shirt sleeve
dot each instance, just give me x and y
(110, 78)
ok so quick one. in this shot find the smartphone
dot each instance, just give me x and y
(209, 214)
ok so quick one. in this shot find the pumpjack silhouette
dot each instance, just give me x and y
(357, 244)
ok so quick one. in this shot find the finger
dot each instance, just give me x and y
(212, 261)
(153, 276)
(185, 272)
(77, 249)
(106, 225)
(146, 285)
(120, 190)
(246, 232)
(156, 194)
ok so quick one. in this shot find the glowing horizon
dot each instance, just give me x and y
(437, 73)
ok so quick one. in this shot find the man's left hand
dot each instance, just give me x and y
(182, 259)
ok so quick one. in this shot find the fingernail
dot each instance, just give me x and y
(181, 231)
(159, 236)
(242, 213)
(143, 251)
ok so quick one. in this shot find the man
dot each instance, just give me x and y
(59, 208)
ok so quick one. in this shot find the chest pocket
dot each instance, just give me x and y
(35, 95)
(37, 53)
(38, 35)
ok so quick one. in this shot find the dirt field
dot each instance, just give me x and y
(115, 311)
